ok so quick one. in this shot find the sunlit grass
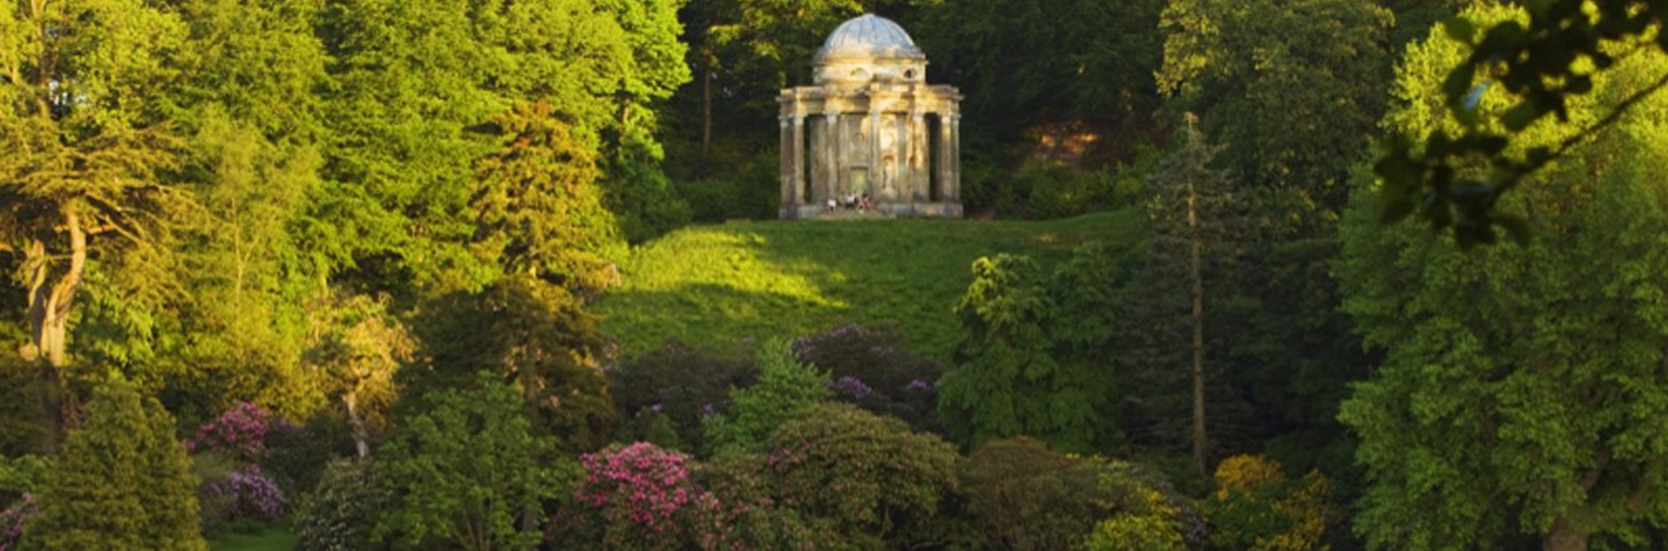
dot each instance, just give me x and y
(715, 286)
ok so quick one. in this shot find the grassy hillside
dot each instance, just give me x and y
(716, 286)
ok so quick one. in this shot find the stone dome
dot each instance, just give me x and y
(869, 36)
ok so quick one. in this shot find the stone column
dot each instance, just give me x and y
(818, 160)
(945, 151)
(798, 179)
(832, 137)
(918, 177)
(953, 185)
(877, 174)
(787, 209)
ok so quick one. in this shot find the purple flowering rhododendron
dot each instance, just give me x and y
(12, 520)
(252, 494)
(849, 387)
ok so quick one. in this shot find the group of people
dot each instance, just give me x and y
(852, 201)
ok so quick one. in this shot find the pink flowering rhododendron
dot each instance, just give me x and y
(12, 520)
(633, 497)
(240, 431)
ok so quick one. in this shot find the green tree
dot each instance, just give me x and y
(784, 387)
(356, 346)
(122, 481)
(1545, 61)
(467, 473)
(867, 482)
(1290, 89)
(1521, 389)
(535, 337)
(1179, 320)
(538, 210)
(83, 119)
(1008, 378)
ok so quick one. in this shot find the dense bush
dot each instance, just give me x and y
(1145, 512)
(22, 475)
(122, 481)
(785, 386)
(467, 472)
(339, 513)
(676, 385)
(1054, 191)
(747, 516)
(1024, 497)
(864, 481)
(870, 368)
(1258, 508)
(633, 497)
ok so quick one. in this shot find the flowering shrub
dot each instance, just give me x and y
(633, 497)
(849, 388)
(339, 513)
(1023, 496)
(240, 431)
(13, 518)
(680, 386)
(1146, 512)
(873, 371)
(252, 495)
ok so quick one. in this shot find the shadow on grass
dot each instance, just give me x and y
(716, 286)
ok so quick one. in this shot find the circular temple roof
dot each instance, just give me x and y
(869, 36)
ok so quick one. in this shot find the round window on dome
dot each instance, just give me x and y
(859, 74)
(909, 74)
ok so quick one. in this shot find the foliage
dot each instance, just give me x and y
(340, 512)
(1145, 514)
(355, 347)
(875, 372)
(1290, 90)
(466, 472)
(868, 480)
(22, 475)
(537, 207)
(1519, 392)
(1547, 62)
(295, 457)
(1024, 497)
(122, 481)
(532, 335)
(1179, 325)
(634, 497)
(1021, 63)
(747, 515)
(785, 386)
(1256, 507)
(13, 518)
(675, 384)
(1013, 375)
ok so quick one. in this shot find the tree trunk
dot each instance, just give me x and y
(1564, 537)
(361, 435)
(706, 111)
(1199, 436)
(49, 312)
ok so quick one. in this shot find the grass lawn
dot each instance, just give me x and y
(715, 286)
(271, 538)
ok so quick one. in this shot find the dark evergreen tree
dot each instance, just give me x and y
(122, 482)
(1179, 322)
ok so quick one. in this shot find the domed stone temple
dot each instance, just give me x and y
(871, 126)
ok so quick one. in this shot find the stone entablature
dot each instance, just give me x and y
(871, 125)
